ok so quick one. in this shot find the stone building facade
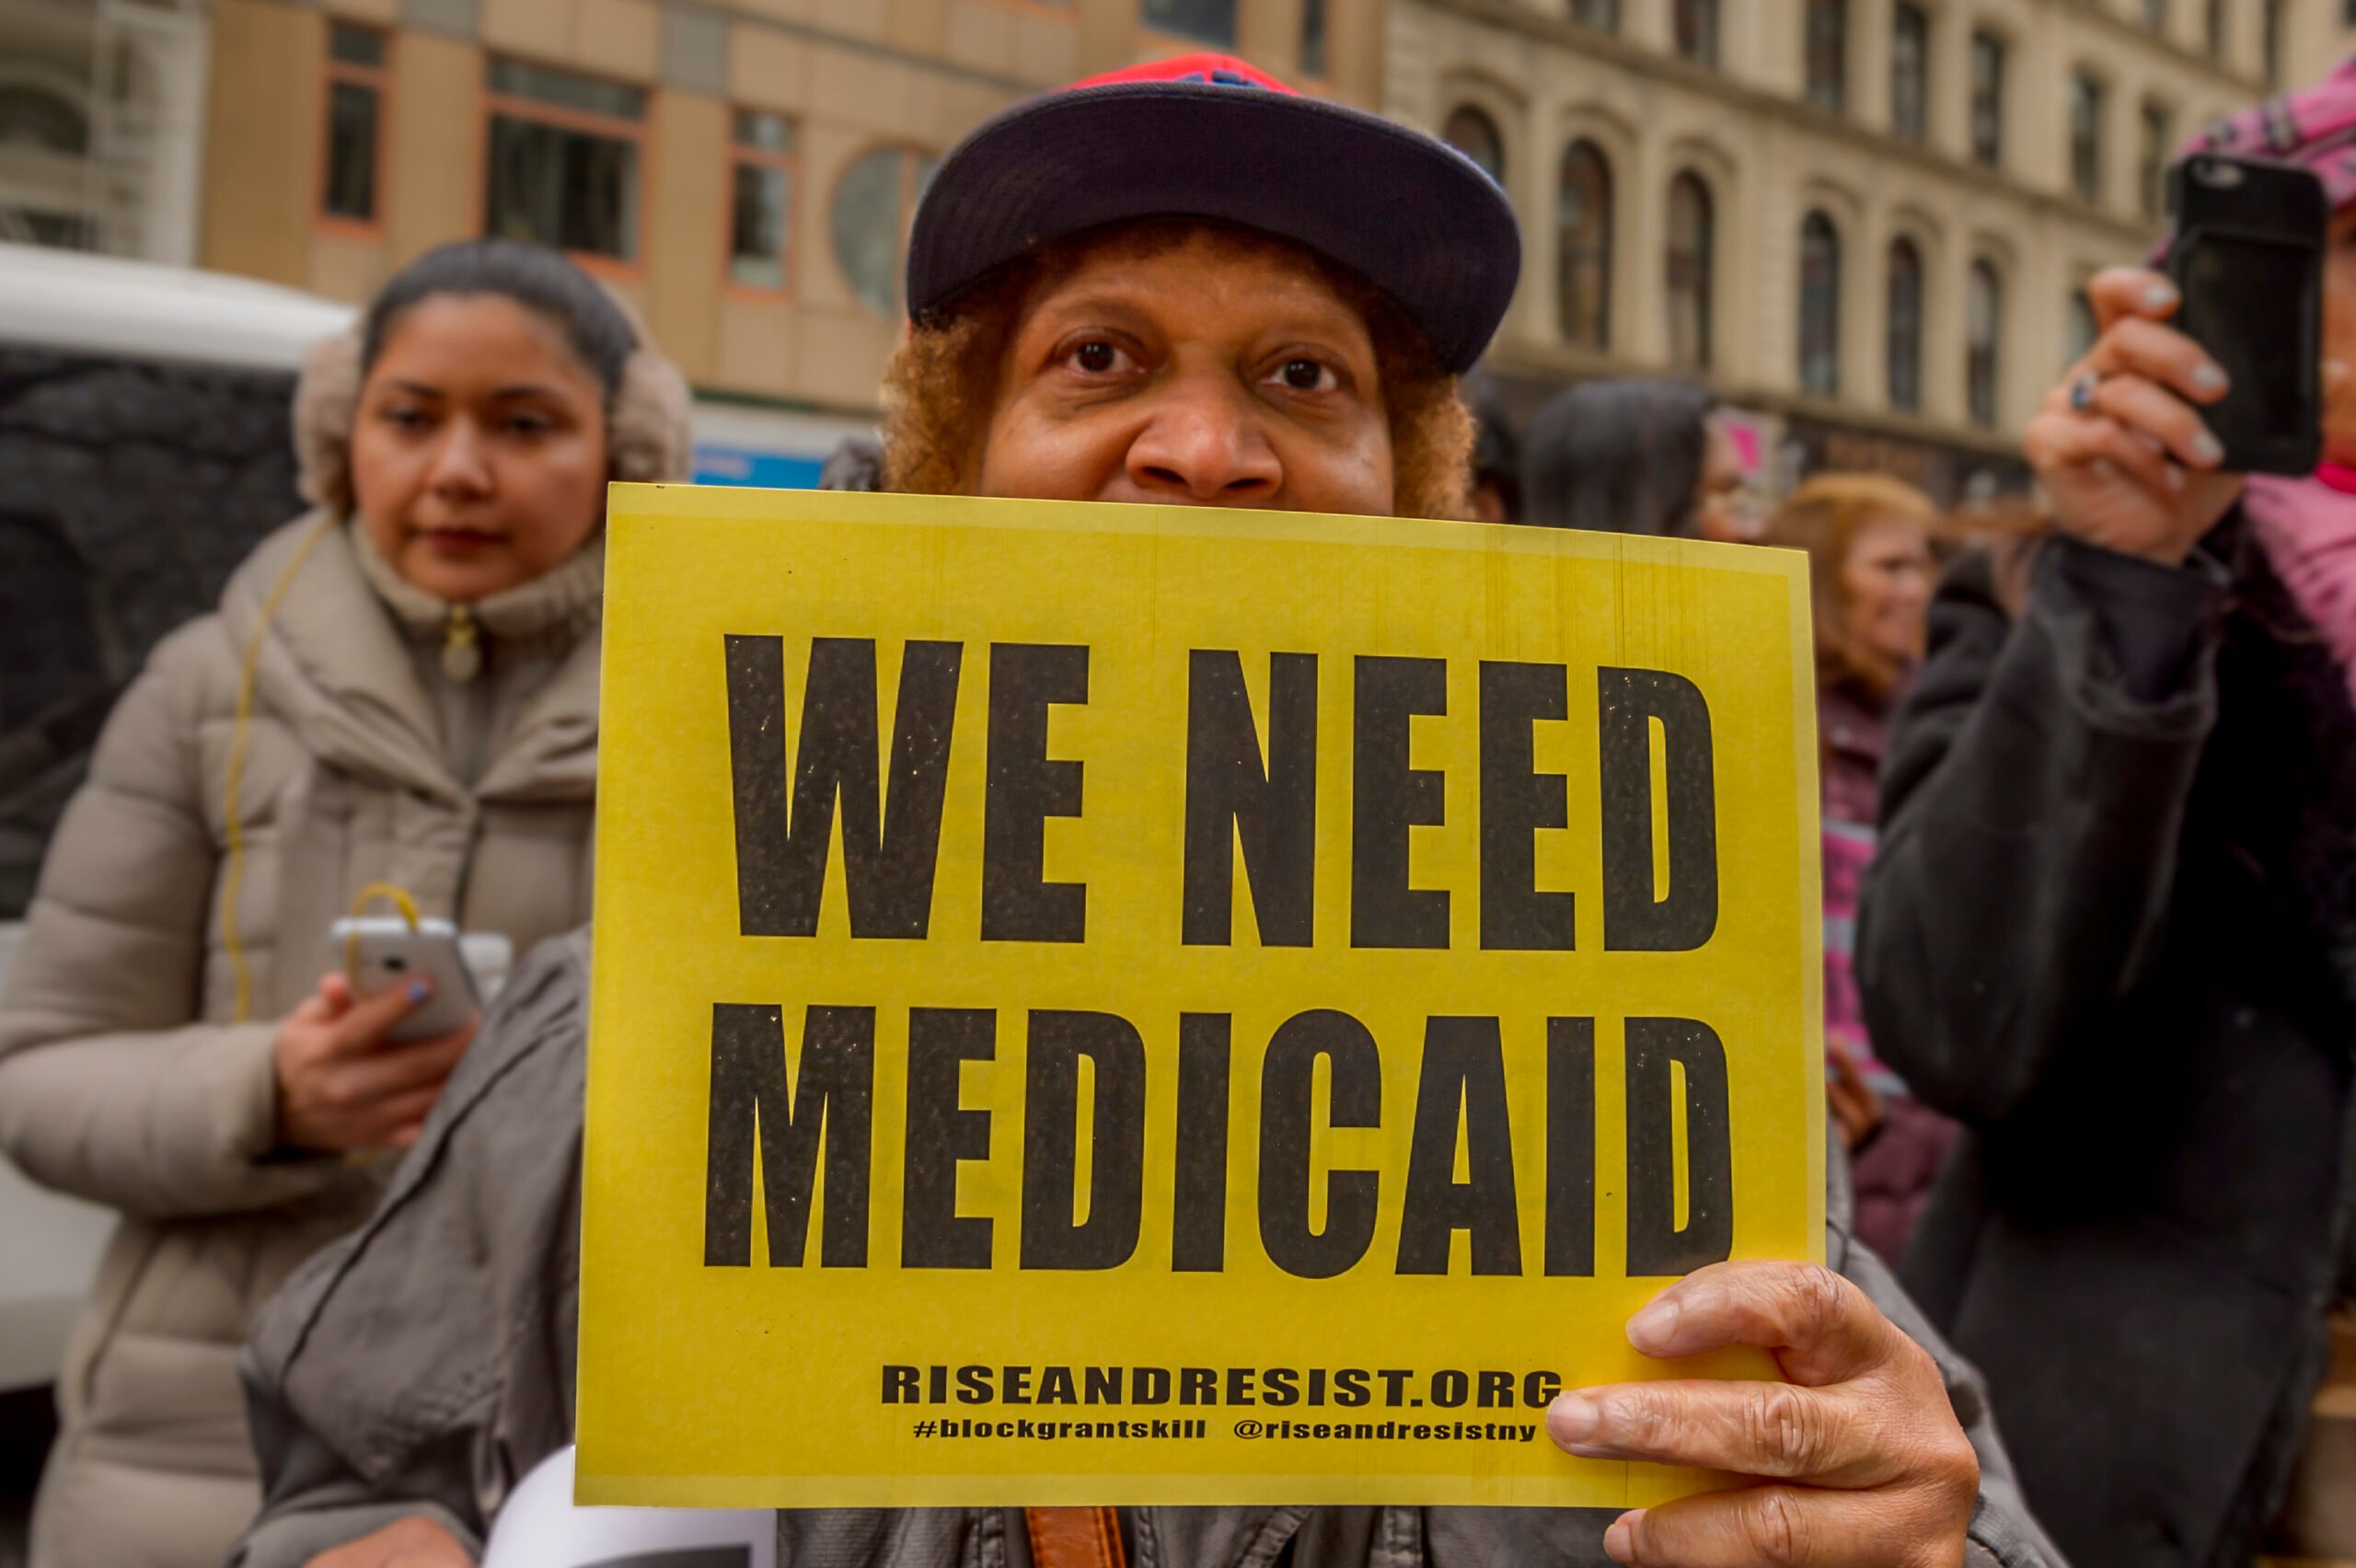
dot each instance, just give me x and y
(1867, 221)
(743, 170)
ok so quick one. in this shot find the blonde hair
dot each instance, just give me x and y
(1824, 517)
(941, 384)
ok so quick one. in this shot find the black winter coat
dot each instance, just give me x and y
(2110, 930)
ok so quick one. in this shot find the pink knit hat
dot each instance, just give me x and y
(2315, 128)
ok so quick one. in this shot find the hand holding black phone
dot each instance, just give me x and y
(2247, 256)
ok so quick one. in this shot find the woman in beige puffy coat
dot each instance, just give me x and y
(400, 687)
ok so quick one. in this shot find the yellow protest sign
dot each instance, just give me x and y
(1133, 1005)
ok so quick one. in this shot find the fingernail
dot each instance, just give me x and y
(1620, 1540)
(2207, 449)
(2176, 477)
(1572, 1418)
(2208, 378)
(419, 990)
(2159, 296)
(1652, 1329)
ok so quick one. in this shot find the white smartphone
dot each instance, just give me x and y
(389, 952)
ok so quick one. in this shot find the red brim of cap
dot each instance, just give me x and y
(1410, 215)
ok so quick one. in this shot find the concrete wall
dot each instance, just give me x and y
(1769, 159)
(262, 149)
(853, 75)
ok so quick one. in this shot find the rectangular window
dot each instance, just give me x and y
(2155, 15)
(760, 202)
(355, 109)
(2087, 97)
(2270, 43)
(2152, 168)
(1827, 55)
(1211, 21)
(2348, 13)
(1697, 31)
(2212, 27)
(1312, 38)
(1910, 71)
(564, 160)
(1987, 98)
(1603, 15)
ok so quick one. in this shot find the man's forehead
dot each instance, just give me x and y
(1237, 266)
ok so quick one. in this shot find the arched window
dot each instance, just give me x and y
(1691, 240)
(875, 202)
(1819, 306)
(1583, 247)
(32, 115)
(2153, 159)
(1905, 324)
(2087, 104)
(1474, 134)
(1983, 323)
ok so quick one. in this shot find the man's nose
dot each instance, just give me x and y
(1204, 442)
(461, 462)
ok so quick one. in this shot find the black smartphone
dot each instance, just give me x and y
(2248, 256)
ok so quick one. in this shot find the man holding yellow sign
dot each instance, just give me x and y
(1222, 1012)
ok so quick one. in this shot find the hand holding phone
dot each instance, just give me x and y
(343, 1084)
(383, 953)
(2120, 444)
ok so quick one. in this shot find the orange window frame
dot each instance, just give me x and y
(789, 163)
(377, 79)
(634, 132)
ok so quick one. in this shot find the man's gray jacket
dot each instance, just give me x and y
(425, 1365)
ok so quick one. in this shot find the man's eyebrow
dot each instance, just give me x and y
(1101, 298)
(1316, 317)
(414, 388)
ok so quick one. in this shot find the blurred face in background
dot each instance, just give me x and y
(478, 451)
(1722, 508)
(1885, 588)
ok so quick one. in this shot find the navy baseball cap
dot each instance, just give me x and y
(1208, 136)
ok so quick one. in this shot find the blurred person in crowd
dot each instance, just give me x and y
(1869, 541)
(2112, 929)
(1072, 340)
(400, 687)
(1636, 457)
(1496, 457)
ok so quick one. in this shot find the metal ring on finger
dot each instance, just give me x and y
(2084, 390)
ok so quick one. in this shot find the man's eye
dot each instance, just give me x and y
(404, 418)
(1096, 357)
(1307, 375)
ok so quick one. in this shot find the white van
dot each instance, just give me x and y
(145, 447)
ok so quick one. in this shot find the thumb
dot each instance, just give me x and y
(369, 1018)
(334, 992)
